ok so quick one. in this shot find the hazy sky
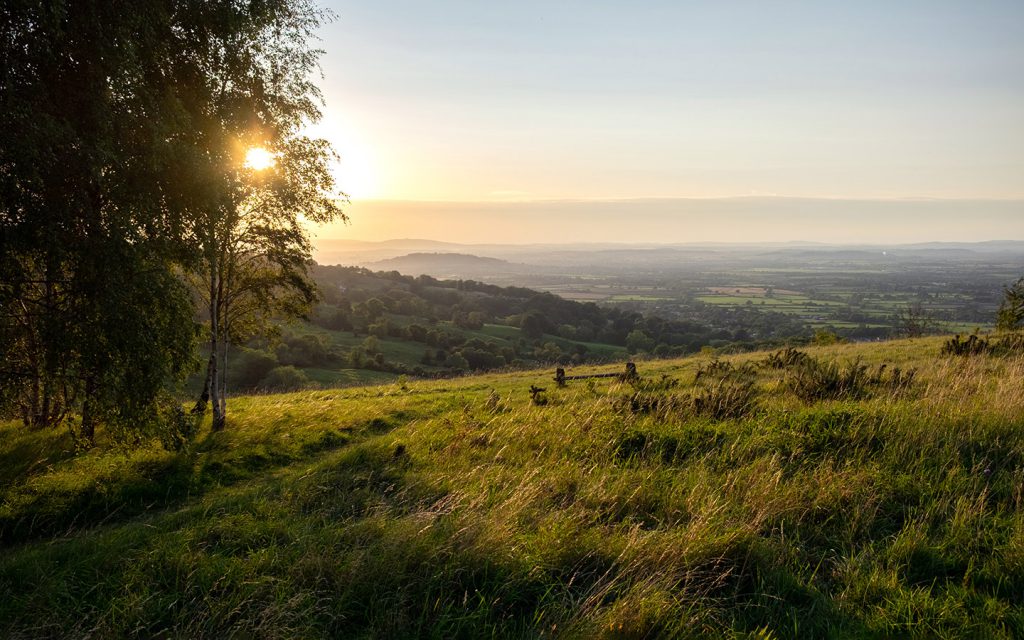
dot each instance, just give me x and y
(469, 101)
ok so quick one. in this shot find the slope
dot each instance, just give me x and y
(733, 505)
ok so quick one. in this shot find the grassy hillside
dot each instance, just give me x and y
(763, 501)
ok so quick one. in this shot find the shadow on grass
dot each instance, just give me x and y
(24, 451)
(107, 487)
(361, 543)
(348, 554)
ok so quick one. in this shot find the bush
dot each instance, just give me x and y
(976, 346)
(305, 351)
(177, 428)
(785, 358)
(824, 337)
(723, 391)
(247, 367)
(638, 340)
(972, 346)
(286, 378)
(725, 399)
(813, 380)
(480, 359)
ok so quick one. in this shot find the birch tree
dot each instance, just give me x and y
(254, 247)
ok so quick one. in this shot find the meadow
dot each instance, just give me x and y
(743, 502)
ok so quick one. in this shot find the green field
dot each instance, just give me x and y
(860, 303)
(462, 509)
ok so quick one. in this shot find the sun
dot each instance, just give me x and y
(258, 159)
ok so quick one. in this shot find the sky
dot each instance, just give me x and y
(474, 121)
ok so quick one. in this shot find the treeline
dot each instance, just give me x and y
(459, 326)
(366, 302)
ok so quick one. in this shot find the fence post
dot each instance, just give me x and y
(560, 376)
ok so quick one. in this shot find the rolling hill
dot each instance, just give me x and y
(443, 265)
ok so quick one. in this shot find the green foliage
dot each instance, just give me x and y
(785, 358)
(721, 391)
(121, 167)
(1011, 310)
(286, 378)
(534, 324)
(306, 350)
(91, 211)
(823, 338)
(973, 345)
(248, 367)
(814, 380)
(176, 429)
(638, 340)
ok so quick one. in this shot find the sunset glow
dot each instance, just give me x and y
(479, 105)
(258, 159)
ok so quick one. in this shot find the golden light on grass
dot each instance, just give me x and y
(258, 159)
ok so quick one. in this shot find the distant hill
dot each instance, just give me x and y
(442, 264)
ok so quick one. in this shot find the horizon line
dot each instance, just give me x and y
(681, 244)
(353, 199)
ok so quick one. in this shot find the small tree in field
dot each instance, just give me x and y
(915, 321)
(252, 103)
(1011, 312)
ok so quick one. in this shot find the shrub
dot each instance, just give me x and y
(286, 378)
(480, 359)
(785, 358)
(724, 399)
(306, 350)
(664, 383)
(177, 428)
(247, 367)
(824, 337)
(719, 369)
(644, 402)
(976, 346)
(814, 380)
(898, 380)
(723, 391)
(972, 346)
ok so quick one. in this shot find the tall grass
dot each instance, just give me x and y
(463, 509)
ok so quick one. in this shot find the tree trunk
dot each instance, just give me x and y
(214, 375)
(204, 397)
(223, 325)
(224, 379)
(88, 413)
